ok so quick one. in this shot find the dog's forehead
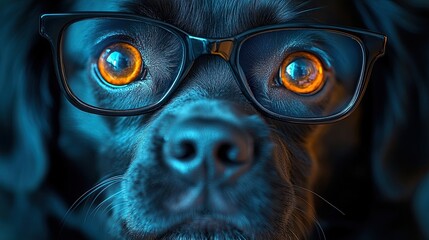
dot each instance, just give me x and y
(209, 18)
(214, 18)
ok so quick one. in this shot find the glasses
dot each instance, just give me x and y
(121, 65)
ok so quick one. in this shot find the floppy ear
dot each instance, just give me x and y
(421, 205)
(25, 99)
(400, 93)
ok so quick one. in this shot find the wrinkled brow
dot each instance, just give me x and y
(215, 18)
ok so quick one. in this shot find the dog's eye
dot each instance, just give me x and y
(120, 63)
(302, 73)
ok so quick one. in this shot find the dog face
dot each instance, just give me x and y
(239, 174)
(207, 163)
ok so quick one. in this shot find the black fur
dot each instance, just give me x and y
(50, 152)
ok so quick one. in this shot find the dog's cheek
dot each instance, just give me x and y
(296, 164)
(121, 148)
(144, 180)
(108, 141)
(81, 135)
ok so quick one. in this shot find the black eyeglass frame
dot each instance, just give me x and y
(52, 27)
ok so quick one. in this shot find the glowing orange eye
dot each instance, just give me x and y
(302, 72)
(120, 63)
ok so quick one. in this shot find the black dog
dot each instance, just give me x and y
(207, 163)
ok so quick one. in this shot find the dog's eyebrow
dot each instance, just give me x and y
(214, 18)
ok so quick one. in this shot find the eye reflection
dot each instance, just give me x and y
(302, 73)
(120, 64)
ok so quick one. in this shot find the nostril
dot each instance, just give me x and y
(234, 153)
(228, 153)
(184, 150)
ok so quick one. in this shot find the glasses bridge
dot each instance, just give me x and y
(219, 47)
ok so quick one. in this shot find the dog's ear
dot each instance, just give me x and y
(421, 206)
(26, 102)
(399, 90)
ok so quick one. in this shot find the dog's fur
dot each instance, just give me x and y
(368, 164)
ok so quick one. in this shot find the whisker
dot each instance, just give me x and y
(321, 229)
(306, 202)
(313, 218)
(88, 193)
(294, 234)
(98, 194)
(302, 229)
(111, 206)
(319, 226)
(107, 208)
(326, 201)
(94, 212)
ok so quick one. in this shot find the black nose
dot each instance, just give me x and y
(210, 148)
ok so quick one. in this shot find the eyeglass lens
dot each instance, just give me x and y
(120, 64)
(302, 73)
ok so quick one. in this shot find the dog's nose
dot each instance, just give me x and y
(212, 148)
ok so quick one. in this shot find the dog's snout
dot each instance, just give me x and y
(212, 148)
